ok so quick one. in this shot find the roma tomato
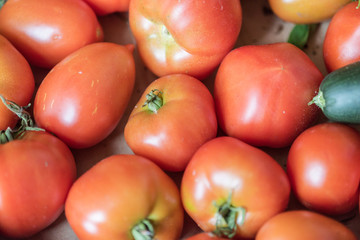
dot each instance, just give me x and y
(36, 173)
(46, 31)
(16, 81)
(324, 168)
(302, 224)
(102, 7)
(184, 36)
(172, 119)
(342, 39)
(231, 188)
(262, 93)
(83, 98)
(205, 236)
(125, 197)
(306, 11)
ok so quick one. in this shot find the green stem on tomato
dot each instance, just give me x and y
(154, 100)
(144, 230)
(228, 218)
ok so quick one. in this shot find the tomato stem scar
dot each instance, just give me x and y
(144, 230)
(154, 100)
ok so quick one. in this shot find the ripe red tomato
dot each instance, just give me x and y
(184, 120)
(36, 172)
(46, 31)
(83, 98)
(231, 188)
(301, 224)
(102, 7)
(324, 168)
(262, 92)
(306, 11)
(342, 39)
(121, 194)
(190, 36)
(205, 236)
(16, 81)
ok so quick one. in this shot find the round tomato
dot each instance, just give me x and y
(46, 31)
(125, 197)
(231, 188)
(342, 39)
(205, 236)
(306, 11)
(301, 224)
(190, 36)
(262, 93)
(172, 119)
(102, 7)
(83, 98)
(16, 81)
(36, 173)
(324, 168)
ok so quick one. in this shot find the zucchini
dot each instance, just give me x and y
(339, 94)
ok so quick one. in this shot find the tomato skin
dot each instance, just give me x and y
(205, 236)
(341, 44)
(227, 165)
(323, 167)
(46, 31)
(102, 7)
(36, 172)
(16, 81)
(188, 36)
(122, 190)
(186, 120)
(306, 11)
(262, 92)
(83, 98)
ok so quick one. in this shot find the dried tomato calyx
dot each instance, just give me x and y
(154, 100)
(144, 230)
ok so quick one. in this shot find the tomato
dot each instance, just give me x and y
(16, 81)
(46, 31)
(231, 188)
(324, 168)
(36, 173)
(302, 224)
(262, 93)
(184, 119)
(82, 99)
(306, 11)
(102, 7)
(121, 194)
(205, 236)
(184, 36)
(342, 39)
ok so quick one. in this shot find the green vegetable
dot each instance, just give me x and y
(300, 33)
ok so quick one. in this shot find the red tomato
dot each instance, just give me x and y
(262, 92)
(300, 225)
(230, 182)
(205, 236)
(342, 39)
(16, 81)
(184, 120)
(306, 11)
(119, 195)
(102, 7)
(324, 168)
(190, 36)
(36, 172)
(46, 31)
(83, 98)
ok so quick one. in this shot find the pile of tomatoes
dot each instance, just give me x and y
(149, 119)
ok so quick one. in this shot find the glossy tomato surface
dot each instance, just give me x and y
(46, 31)
(16, 81)
(82, 99)
(262, 92)
(184, 120)
(324, 168)
(36, 173)
(342, 40)
(184, 36)
(306, 11)
(117, 194)
(226, 170)
(102, 7)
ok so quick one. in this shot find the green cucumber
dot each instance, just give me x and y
(339, 94)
